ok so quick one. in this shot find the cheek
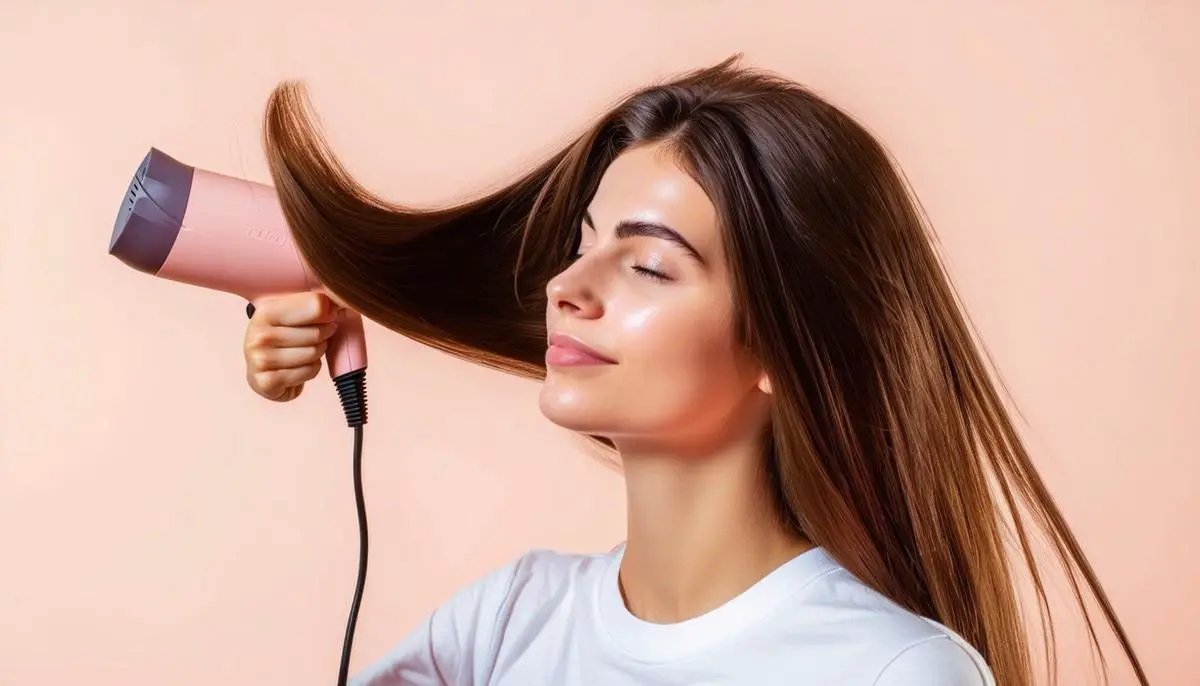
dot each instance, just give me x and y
(682, 354)
(681, 373)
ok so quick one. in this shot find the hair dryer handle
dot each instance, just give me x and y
(347, 350)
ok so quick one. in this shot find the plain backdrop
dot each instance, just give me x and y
(159, 523)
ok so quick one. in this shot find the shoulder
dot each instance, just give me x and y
(534, 577)
(459, 639)
(540, 576)
(938, 660)
(904, 649)
(544, 568)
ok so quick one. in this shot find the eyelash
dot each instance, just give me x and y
(651, 274)
(647, 272)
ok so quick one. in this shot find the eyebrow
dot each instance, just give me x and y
(629, 228)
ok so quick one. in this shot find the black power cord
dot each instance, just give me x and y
(352, 391)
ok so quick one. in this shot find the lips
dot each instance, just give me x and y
(567, 351)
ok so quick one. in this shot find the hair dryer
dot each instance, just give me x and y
(207, 229)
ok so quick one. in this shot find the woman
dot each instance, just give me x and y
(724, 280)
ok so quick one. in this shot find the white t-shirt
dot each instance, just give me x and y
(556, 619)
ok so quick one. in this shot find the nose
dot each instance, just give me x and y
(573, 292)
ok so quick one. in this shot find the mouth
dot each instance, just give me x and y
(567, 351)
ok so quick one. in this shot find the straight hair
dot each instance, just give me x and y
(889, 442)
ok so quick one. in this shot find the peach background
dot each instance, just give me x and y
(161, 524)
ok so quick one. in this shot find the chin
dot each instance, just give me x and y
(571, 408)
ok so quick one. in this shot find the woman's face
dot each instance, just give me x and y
(649, 297)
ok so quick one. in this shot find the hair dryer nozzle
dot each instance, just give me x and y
(151, 212)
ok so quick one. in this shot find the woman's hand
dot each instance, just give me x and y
(285, 341)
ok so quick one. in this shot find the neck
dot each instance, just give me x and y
(701, 529)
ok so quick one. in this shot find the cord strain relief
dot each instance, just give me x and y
(352, 390)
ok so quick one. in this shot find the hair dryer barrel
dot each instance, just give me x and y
(206, 229)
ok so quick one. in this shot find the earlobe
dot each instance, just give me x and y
(764, 384)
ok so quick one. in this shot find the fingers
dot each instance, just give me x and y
(266, 336)
(285, 340)
(296, 309)
(267, 359)
(283, 384)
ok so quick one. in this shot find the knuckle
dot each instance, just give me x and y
(258, 337)
(259, 358)
(325, 306)
(263, 309)
(312, 303)
(265, 381)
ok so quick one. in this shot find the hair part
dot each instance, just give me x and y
(889, 445)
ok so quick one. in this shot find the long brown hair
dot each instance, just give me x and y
(890, 444)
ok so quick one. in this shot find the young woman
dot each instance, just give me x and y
(726, 281)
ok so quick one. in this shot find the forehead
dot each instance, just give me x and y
(646, 183)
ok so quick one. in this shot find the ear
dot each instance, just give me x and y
(764, 384)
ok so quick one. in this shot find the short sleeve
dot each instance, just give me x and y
(452, 644)
(937, 661)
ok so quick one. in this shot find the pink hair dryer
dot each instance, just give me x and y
(216, 231)
(207, 229)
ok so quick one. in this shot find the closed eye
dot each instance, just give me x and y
(652, 274)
